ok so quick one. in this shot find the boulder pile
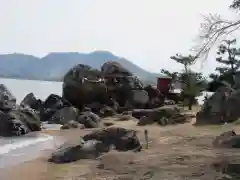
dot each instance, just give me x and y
(88, 96)
(113, 86)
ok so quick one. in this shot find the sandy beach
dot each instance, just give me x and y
(175, 152)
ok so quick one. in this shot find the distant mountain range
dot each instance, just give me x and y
(53, 66)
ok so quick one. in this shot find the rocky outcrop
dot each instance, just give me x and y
(113, 86)
(83, 85)
(89, 119)
(62, 116)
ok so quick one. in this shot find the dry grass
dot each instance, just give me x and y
(177, 152)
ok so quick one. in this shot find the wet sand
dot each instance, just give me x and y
(48, 141)
(15, 150)
(31, 162)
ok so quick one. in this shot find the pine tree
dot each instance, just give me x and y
(229, 57)
(192, 82)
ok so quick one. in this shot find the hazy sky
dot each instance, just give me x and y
(147, 32)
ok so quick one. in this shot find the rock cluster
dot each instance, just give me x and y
(165, 115)
(112, 86)
(88, 96)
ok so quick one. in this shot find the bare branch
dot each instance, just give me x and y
(214, 29)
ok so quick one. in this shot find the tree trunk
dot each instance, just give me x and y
(190, 103)
(232, 75)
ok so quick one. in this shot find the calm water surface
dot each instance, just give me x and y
(41, 89)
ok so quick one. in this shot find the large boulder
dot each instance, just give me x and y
(121, 82)
(139, 98)
(31, 101)
(156, 98)
(11, 127)
(71, 152)
(127, 89)
(227, 139)
(221, 107)
(84, 85)
(89, 119)
(7, 100)
(62, 116)
(19, 122)
(51, 105)
(113, 67)
(29, 117)
(122, 139)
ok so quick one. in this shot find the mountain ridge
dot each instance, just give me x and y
(54, 65)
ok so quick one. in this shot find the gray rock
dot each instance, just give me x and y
(122, 139)
(227, 139)
(7, 100)
(19, 122)
(113, 67)
(73, 125)
(221, 107)
(51, 105)
(64, 115)
(95, 118)
(164, 115)
(69, 153)
(81, 86)
(87, 121)
(107, 111)
(144, 120)
(31, 101)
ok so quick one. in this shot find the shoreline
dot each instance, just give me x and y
(39, 168)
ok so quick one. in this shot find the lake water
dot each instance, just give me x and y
(18, 149)
(41, 89)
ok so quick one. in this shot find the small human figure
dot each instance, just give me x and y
(225, 111)
(146, 138)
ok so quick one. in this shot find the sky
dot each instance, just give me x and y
(146, 32)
